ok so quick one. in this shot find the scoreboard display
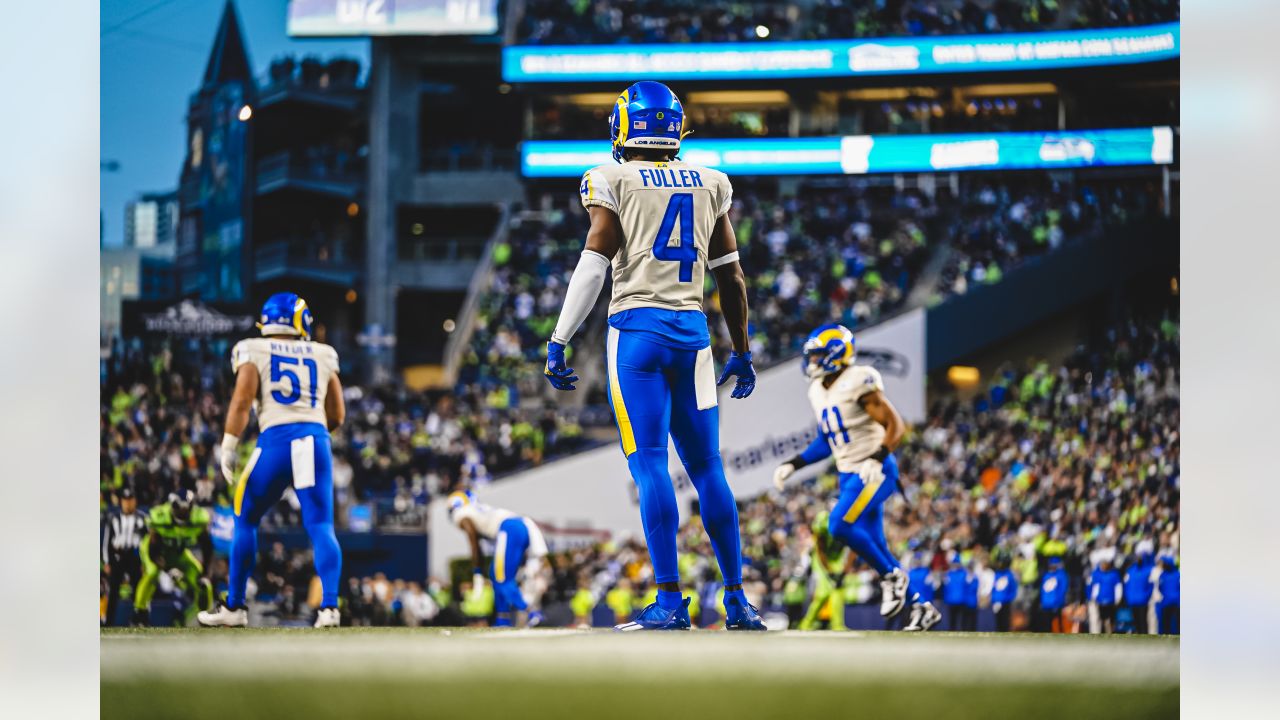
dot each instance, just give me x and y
(339, 18)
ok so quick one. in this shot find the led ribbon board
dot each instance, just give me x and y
(860, 154)
(828, 58)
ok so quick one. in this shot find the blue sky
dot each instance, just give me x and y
(153, 54)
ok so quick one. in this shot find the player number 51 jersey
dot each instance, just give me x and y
(293, 378)
(667, 211)
(852, 434)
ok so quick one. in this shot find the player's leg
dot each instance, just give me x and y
(695, 428)
(200, 588)
(146, 584)
(821, 591)
(508, 554)
(858, 520)
(642, 406)
(312, 473)
(261, 484)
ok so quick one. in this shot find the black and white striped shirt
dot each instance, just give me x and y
(122, 534)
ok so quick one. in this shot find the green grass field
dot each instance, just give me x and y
(530, 674)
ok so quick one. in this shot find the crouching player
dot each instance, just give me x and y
(518, 554)
(294, 384)
(858, 425)
(173, 529)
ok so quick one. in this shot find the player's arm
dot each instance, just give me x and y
(477, 557)
(604, 238)
(205, 541)
(335, 407)
(817, 451)
(731, 284)
(883, 412)
(238, 416)
(879, 409)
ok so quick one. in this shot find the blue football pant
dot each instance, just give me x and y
(654, 393)
(858, 519)
(280, 461)
(510, 547)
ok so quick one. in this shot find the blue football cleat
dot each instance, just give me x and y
(741, 616)
(654, 617)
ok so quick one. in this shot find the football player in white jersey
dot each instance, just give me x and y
(293, 383)
(859, 427)
(519, 551)
(661, 224)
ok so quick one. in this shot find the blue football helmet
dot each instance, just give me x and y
(286, 314)
(828, 350)
(646, 115)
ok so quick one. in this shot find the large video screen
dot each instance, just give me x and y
(332, 18)
(834, 58)
(860, 154)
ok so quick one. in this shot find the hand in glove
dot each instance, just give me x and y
(558, 373)
(740, 365)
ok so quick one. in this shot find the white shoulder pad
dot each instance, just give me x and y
(330, 357)
(725, 200)
(860, 380)
(596, 190)
(240, 354)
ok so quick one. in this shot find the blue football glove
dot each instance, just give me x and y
(739, 364)
(558, 374)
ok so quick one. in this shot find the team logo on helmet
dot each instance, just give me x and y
(828, 350)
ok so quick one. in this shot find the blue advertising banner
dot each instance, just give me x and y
(827, 58)
(859, 154)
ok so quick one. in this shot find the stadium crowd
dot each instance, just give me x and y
(682, 21)
(1065, 473)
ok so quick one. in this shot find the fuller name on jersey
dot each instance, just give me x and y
(667, 211)
(852, 434)
(293, 378)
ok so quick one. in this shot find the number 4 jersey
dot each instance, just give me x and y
(852, 434)
(667, 211)
(293, 378)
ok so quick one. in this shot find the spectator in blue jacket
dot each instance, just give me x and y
(1053, 597)
(1138, 587)
(1004, 590)
(1105, 592)
(1168, 608)
(953, 594)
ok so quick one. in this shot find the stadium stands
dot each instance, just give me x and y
(661, 21)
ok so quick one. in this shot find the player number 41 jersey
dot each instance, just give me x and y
(667, 211)
(852, 434)
(293, 378)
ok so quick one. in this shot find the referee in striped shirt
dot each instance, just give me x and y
(122, 533)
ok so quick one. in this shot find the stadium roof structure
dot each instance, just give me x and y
(229, 60)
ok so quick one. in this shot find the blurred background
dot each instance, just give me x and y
(986, 192)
